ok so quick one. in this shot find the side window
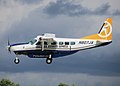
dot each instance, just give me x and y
(66, 43)
(32, 41)
(45, 43)
(72, 43)
(38, 43)
(53, 43)
(60, 43)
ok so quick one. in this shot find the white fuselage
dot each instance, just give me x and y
(64, 44)
(43, 45)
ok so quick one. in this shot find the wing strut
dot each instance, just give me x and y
(42, 44)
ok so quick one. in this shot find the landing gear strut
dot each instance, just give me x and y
(16, 61)
(49, 60)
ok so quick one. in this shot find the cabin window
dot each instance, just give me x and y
(53, 43)
(32, 41)
(66, 43)
(72, 43)
(38, 43)
(60, 43)
(45, 43)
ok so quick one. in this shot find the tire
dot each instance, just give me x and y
(48, 61)
(16, 61)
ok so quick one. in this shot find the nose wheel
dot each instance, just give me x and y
(49, 60)
(16, 61)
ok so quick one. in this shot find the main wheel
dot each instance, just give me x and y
(16, 61)
(49, 61)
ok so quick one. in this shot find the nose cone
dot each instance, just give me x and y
(14, 48)
(11, 48)
(8, 47)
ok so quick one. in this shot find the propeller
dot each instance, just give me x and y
(8, 47)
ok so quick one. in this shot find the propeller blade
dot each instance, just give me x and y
(8, 42)
(9, 49)
(9, 46)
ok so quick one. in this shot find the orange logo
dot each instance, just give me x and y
(106, 30)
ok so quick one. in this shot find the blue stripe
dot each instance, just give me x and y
(18, 44)
(54, 53)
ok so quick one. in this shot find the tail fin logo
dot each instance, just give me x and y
(106, 30)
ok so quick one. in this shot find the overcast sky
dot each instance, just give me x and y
(22, 20)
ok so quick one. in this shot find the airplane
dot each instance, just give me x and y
(49, 46)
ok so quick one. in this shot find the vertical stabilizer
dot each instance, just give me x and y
(106, 30)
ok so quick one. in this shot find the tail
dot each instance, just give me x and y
(105, 33)
(106, 30)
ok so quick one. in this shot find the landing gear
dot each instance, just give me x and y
(16, 61)
(49, 60)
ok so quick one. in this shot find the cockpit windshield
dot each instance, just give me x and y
(32, 41)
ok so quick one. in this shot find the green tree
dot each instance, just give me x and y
(62, 84)
(7, 82)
